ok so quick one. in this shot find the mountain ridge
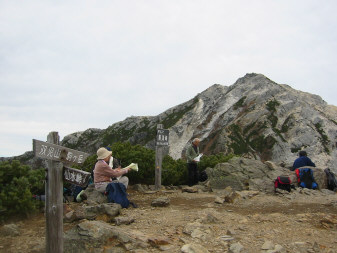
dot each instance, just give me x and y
(254, 117)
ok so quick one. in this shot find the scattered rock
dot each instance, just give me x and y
(90, 235)
(231, 232)
(140, 188)
(10, 230)
(268, 245)
(150, 192)
(158, 240)
(161, 202)
(219, 200)
(190, 227)
(92, 212)
(233, 197)
(123, 220)
(248, 194)
(189, 189)
(236, 248)
(329, 222)
(193, 248)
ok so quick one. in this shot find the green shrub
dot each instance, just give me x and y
(272, 104)
(174, 172)
(324, 138)
(144, 157)
(18, 183)
(240, 103)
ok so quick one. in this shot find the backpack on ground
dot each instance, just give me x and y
(305, 178)
(332, 182)
(116, 193)
(283, 183)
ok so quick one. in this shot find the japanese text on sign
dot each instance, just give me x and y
(162, 137)
(77, 177)
(58, 153)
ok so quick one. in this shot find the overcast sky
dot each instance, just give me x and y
(67, 66)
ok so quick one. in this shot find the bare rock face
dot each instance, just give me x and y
(88, 140)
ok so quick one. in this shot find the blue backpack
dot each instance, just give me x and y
(305, 177)
(117, 194)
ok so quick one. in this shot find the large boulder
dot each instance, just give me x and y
(89, 236)
(248, 174)
(111, 210)
(319, 176)
(99, 236)
(94, 197)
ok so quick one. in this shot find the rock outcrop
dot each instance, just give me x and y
(248, 174)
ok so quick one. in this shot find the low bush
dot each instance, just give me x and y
(18, 183)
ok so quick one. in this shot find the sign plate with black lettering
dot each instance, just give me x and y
(162, 137)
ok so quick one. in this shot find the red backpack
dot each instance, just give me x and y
(284, 183)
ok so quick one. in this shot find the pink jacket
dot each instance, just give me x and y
(103, 172)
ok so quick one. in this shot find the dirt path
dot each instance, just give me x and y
(296, 222)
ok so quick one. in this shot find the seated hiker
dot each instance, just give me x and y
(105, 174)
(302, 160)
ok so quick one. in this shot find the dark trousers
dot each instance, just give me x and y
(193, 175)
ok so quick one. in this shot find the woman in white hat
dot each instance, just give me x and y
(104, 174)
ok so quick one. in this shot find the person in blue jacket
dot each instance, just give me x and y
(302, 160)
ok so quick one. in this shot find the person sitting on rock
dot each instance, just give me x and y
(302, 160)
(105, 174)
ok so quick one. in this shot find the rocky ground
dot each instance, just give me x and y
(300, 221)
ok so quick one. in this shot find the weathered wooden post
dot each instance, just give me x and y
(56, 156)
(54, 202)
(162, 139)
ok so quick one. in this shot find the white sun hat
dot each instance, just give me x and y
(103, 153)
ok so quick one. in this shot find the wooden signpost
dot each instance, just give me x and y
(161, 141)
(56, 156)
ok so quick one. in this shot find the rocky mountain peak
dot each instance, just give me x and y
(255, 117)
